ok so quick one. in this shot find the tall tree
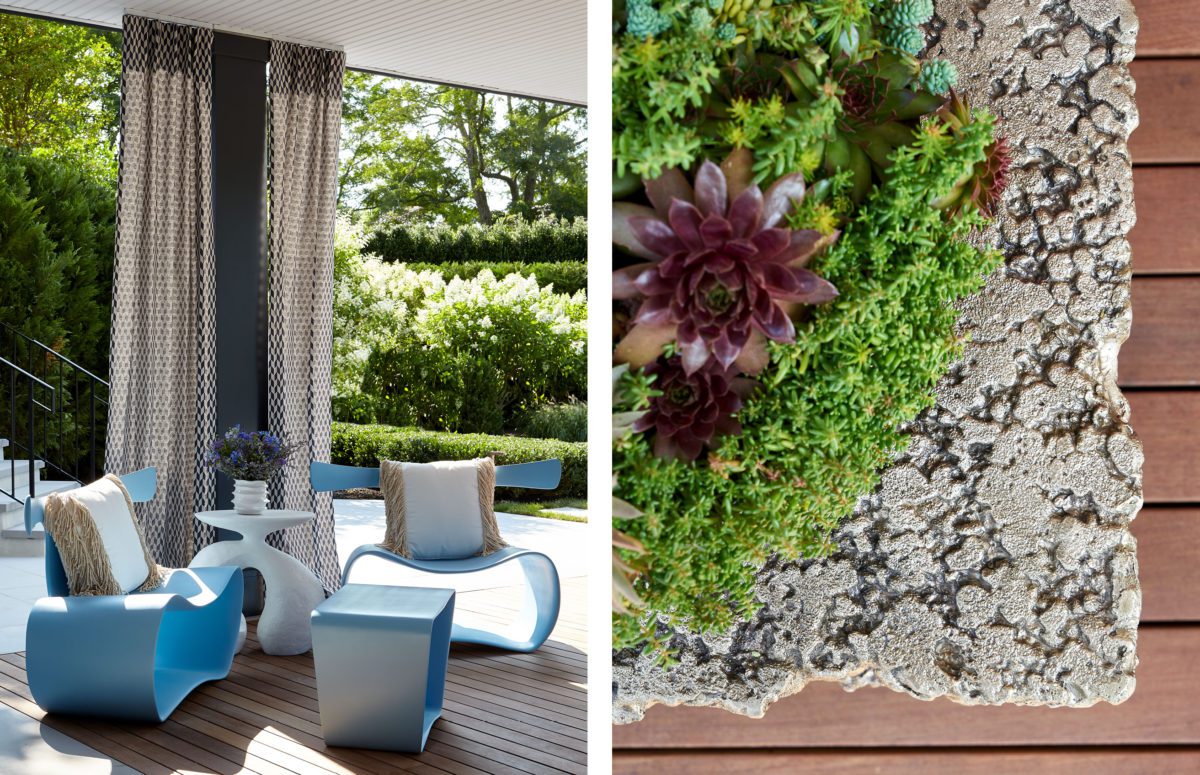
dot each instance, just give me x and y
(417, 152)
(542, 158)
(60, 91)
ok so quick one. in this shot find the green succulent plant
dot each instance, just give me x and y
(908, 39)
(898, 174)
(906, 13)
(982, 186)
(625, 598)
(804, 85)
(938, 76)
(644, 20)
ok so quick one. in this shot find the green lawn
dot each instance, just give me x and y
(537, 509)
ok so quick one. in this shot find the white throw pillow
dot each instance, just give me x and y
(97, 534)
(442, 510)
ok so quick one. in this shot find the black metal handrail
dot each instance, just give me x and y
(53, 414)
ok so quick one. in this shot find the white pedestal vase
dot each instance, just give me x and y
(249, 497)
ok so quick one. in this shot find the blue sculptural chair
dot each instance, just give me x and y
(542, 596)
(135, 656)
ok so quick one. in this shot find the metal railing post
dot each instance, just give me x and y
(92, 452)
(32, 465)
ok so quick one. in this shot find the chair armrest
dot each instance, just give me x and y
(185, 589)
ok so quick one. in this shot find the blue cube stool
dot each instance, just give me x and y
(380, 654)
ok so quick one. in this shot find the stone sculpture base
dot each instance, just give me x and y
(994, 563)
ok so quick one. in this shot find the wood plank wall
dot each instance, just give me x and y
(825, 730)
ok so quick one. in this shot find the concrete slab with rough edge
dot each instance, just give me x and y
(994, 564)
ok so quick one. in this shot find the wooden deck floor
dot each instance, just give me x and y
(825, 730)
(504, 713)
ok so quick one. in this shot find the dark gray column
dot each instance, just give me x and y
(239, 127)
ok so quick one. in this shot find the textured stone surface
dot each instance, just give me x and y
(995, 563)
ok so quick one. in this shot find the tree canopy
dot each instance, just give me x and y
(414, 152)
(411, 152)
(60, 91)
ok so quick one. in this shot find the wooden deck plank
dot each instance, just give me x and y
(1169, 28)
(1166, 423)
(1162, 241)
(1169, 563)
(128, 735)
(1161, 711)
(279, 736)
(113, 749)
(264, 717)
(1169, 110)
(264, 670)
(1163, 349)
(252, 745)
(498, 742)
(854, 762)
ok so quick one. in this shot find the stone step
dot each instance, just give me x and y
(18, 469)
(19, 534)
(12, 510)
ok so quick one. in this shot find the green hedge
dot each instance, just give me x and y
(545, 241)
(56, 255)
(366, 445)
(566, 277)
(566, 421)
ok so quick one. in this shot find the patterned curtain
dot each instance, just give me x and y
(163, 362)
(305, 87)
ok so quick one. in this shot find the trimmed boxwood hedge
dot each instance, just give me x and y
(366, 445)
(566, 277)
(545, 241)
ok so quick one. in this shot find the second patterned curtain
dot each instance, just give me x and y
(305, 88)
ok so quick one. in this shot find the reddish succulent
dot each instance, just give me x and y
(724, 270)
(693, 408)
(985, 184)
(992, 177)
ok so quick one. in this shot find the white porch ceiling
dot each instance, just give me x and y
(536, 48)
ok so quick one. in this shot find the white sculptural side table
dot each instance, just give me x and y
(284, 628)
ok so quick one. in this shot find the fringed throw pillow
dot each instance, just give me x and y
(98, 536)
(440, 511)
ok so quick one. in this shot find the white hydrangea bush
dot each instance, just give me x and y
(510, 329)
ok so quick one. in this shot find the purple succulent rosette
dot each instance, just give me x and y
(723, 268)
(692, 408)
(253, 456)
(723, 274)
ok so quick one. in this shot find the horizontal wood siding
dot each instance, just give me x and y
(1166, 422)
(1166, 239)
(1087, 761)
(1169, 111)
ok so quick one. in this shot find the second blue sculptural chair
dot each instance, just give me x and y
(542, 595)
(134, 656)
